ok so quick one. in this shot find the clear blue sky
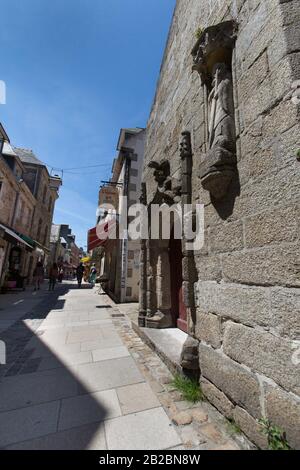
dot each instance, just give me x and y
(76, 71)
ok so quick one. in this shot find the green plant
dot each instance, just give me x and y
(232, 427)
(276, 436)
(199, 33)
(190, 389)
(298, 155)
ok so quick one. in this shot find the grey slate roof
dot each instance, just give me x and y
(27, 156)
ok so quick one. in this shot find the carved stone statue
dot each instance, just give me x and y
(168, 189)
(221, 109)
(219, 163)
(185, 145)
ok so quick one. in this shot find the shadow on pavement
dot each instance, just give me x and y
(43, 403)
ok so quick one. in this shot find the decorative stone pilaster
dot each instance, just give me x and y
(143, 267)
(188, 270)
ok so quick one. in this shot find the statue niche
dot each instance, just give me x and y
(212, 59)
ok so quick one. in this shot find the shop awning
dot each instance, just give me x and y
(13, 237)
(104, 229)
(27, 239)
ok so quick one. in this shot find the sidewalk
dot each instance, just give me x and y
(79, 378)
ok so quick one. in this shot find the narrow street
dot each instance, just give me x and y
(78, 377)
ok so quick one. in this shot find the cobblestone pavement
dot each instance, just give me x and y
(78, 377)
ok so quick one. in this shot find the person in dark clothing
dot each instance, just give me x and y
(53, 275)
(79, 274)
(38, 275)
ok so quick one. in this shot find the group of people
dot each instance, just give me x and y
(80, 273)
(56, 274)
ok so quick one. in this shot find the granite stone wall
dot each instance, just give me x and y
(247, 292)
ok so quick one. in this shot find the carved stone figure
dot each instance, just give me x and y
(185, 145)
(219, 163)
(168, 189)
(189, 359)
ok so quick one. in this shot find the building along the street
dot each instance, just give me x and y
(120, 257)
(63, 249)
(44, 188)
(24, 240)
(224, 132)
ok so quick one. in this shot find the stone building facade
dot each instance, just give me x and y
(63, 250)
(27, 197)
(45, 190)
(224, 132)
(120, 257)
(16, 211)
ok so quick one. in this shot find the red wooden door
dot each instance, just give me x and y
(178, 309)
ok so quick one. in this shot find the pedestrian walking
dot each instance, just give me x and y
(79, 274)
(60, 275)
(38, 275)
(53, 275)
(93, 275)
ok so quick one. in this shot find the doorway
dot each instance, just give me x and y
(178, 309)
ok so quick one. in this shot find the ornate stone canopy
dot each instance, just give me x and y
(214, 46)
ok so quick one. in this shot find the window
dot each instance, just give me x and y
(46, 236)
(38, 233)
(50, 204)
(128, 291)
(44, 194)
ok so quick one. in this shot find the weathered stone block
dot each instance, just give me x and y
(217, 398)
(280, 119)
(250, 427)
(208, 329)
(274, 226)
(265, 266)
(252, 77)
(240, 385)
(285, 312)
(189, 355)
(283, 410)
(245, 304)
(264, 353)
(209, 267)
(226, 237)
(272, 189)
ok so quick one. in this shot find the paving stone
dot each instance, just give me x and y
(88, 437)
(100, 344)
(106, 375)
(90, 408)
(146, 430)
(200, 416)
(109, 353)
(30, 422)
(211, 432)
(182, 418)
(190, 437)
(26, 390)
(137, 397)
